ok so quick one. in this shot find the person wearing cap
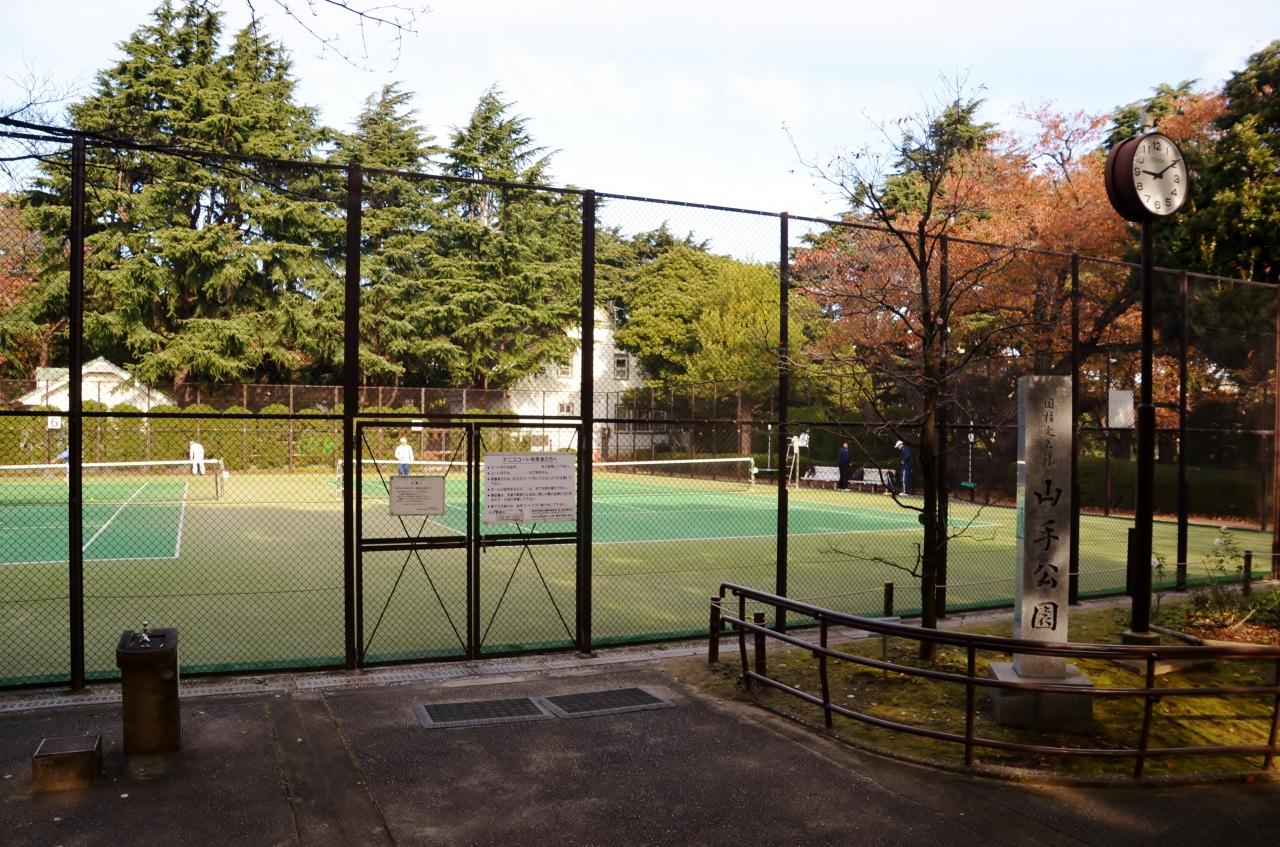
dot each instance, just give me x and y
(906, 476)
(404, 457)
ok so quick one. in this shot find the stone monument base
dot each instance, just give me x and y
(1053, 710)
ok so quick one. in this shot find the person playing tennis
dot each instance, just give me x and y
(404, 457)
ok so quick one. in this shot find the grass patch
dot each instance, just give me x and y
(1178, 721)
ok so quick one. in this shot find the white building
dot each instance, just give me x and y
(555, 392)
(100, 381)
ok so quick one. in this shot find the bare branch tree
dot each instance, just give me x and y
(398, 19)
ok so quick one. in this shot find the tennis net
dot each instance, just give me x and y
(608, 478)
(113, 482)
(629, 478)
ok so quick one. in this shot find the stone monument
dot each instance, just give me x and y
(1043, 535)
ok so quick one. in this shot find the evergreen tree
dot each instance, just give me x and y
(399, 336)
(503, 281)
(195, 268)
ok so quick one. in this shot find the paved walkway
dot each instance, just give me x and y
(342, 759)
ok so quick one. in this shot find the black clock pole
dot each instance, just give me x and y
(1140, 620)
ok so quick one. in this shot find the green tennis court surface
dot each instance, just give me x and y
(122, 520)
(640, 509)
(253, 574)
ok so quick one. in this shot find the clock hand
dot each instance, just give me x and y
(1152, 173)
(1166, 167)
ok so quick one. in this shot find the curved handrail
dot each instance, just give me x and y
(972, 643)
(1003, 644)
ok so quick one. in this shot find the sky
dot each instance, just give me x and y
(697, 100)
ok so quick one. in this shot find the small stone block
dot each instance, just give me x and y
(1048, 710)
(65, 763)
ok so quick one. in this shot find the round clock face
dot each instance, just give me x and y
(1159, 174)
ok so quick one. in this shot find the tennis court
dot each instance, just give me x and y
(678, 500)
(252, 571)
(131, 510)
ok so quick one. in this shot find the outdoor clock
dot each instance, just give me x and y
(1146, 177)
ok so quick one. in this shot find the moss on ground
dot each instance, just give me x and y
(1178, 721)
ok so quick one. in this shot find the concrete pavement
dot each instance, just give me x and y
(341, 759)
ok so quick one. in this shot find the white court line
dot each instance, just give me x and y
(182, 517)
(128, 558)
(115, 515)
(767, 535)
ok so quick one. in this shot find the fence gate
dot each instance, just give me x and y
(451, 584)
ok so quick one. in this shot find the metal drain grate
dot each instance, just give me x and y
(593, 703)
(477, 712)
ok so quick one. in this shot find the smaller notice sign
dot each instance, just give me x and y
(53, 422)
(530, 487)
(417, 495)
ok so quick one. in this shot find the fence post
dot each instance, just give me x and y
(586, 433)
(1246, 584)
(943, 507)
(713, 633)
(1184, 492)
(75, 418)
(1073, 555)
(888, 599)
(1275, 457)
(784, 400)
(1128, 563)
(761, 664)
(350, 399)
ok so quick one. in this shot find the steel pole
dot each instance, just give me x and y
(586, 437)
(75, 418)
(350, 400)
(1140, 619)
(1275, 451)
(784, 400)
(1184, 494)
(1073, 555)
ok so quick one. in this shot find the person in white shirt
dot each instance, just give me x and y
(404, 456)
(195, 450)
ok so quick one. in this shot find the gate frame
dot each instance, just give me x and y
(474, 540)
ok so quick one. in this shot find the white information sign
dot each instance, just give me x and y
(53, 422)
(530, 487)
(417, 495)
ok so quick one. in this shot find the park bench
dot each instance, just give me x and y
(865, 479)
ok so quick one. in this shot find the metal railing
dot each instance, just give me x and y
(755, 670)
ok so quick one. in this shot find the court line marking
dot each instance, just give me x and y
(114, 515)
(182, 517)
(745, 537)
(92, 561)
(63, 526)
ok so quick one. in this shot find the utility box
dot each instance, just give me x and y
(148, 663)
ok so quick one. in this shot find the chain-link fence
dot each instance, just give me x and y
(272, 345)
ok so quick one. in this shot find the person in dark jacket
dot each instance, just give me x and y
(842, 463)
(907, 474)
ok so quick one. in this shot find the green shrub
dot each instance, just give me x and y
(1231, 492)
(167, 437)
(230, 441)
(269, 440)
(123, 439)
(315, 443)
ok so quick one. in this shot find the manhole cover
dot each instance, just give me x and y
(593, 703)
(475, 713)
